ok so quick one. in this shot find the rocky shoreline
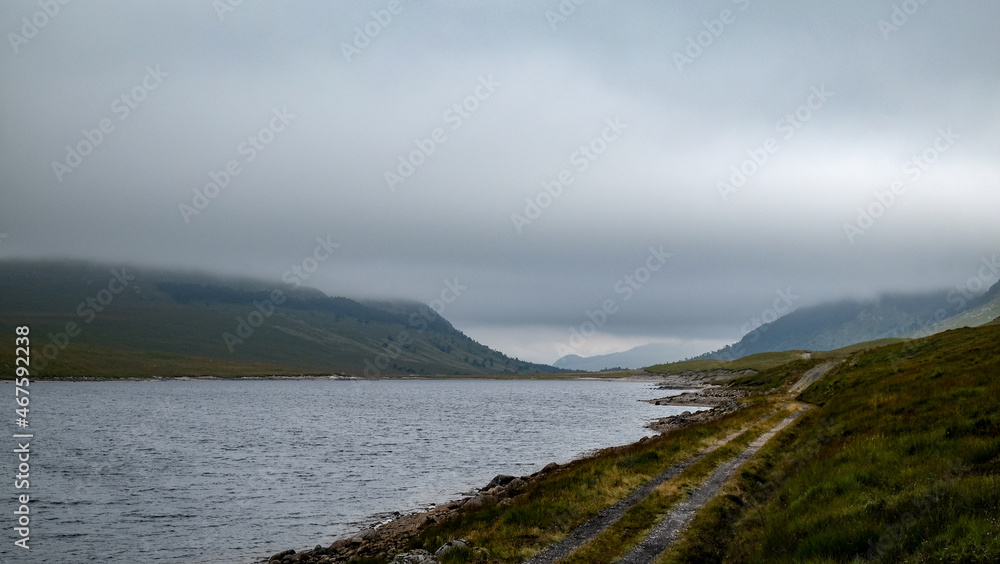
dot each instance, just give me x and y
(721, 401)
(387, 539)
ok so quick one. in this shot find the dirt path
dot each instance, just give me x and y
(808, 378)
(677, 519)
(671, 526)
(674, 522)
(606, 517)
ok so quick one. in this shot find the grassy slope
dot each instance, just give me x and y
(760, 361)
(984, 314)
(900, 464)
(764, 361)
(143, 332)
(561, 501)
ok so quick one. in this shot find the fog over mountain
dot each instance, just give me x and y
(631, 173)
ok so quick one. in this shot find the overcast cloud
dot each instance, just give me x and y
(666, 120)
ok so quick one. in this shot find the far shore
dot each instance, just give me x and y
(617, 376)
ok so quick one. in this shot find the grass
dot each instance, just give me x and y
(900, 464)
(626, 533)
(760, 361)
(776, 377)
(766, 361)
(554, 505)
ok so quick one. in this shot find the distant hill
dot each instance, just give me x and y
(637, 357)
(766, 360)
(984, 311)
(104, 320)
(841, 324)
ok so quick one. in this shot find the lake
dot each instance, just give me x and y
(213, 471)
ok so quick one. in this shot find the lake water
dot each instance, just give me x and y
(213, 471)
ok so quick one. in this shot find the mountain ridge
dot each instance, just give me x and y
(90, 319)
(843, 323)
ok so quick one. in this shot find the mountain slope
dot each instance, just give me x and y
(840, 324)
(987, 310)
(98, 320)
(636, 357)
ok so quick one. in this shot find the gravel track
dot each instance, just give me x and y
(673, 523)
(606, 517)
(670, 527)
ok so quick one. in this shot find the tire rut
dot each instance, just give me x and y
(811, 376)
(677, 519)
(606, 517)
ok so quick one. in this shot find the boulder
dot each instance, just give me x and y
(481, 500)
(280, 556)
(339, 544)
(499, 481)
(516, 484)
(415, 557)
(450, 546)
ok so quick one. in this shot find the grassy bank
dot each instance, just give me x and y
(553, 506)
(900, 464)
(625, 534)
(768, 360)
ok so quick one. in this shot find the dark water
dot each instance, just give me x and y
(210, 471)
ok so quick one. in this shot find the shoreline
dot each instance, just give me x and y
(640, 377)
(390, 537)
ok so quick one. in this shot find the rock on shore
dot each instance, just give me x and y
(721, 400)
(700, 379)
(388, 540)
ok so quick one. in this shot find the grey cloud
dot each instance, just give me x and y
(656, 185)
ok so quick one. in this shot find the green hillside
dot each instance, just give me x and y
(104, 321)
(983, 313)
(839, 324)
(765, 361)
(900, 463)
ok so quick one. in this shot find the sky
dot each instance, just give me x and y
(561, 177)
